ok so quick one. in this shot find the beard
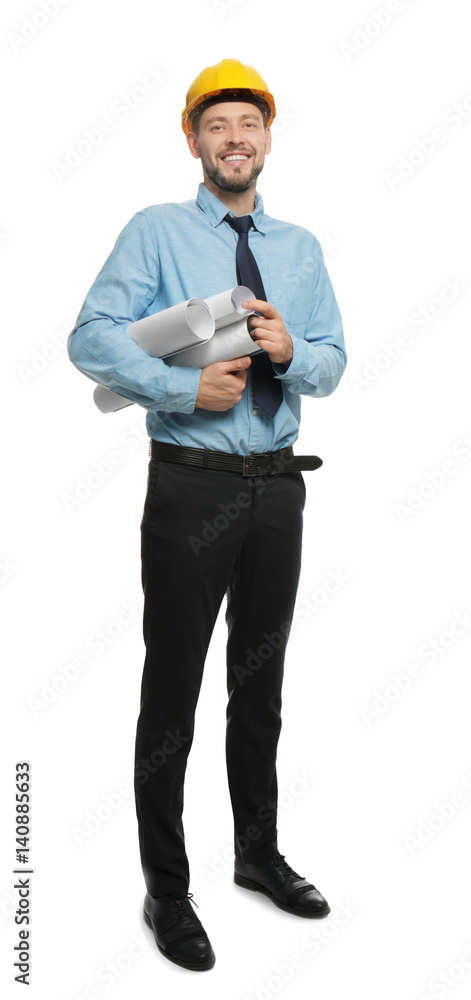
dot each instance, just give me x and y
(234, 184)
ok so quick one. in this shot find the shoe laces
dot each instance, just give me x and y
(284, 867)
(181, 906)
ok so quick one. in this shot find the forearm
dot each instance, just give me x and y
(105, 353)
(314, 370)
(319, 356)
(99, 345)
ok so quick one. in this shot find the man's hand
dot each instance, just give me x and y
(222, 384)
(270, 331)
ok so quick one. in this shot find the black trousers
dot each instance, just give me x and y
(205, 534)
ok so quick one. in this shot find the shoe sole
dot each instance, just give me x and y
(194, 966)
(246, 883)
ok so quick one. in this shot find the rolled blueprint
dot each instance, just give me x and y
(227, 306)
(234, 341)
(173, 329)
(195, 333)
(109, 401)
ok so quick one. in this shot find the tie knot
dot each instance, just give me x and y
(241, 224)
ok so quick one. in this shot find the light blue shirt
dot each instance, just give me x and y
(169, 253)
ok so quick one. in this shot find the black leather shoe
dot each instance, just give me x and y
(178, 932)
(285, 887)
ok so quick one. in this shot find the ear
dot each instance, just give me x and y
(193, 145)
(267, 141)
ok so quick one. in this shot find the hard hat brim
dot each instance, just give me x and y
(264, 97)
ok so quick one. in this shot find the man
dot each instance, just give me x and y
(225, 495)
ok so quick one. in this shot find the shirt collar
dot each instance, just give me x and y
(216, 210)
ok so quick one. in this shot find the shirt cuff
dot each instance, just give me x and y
(181, 391)
(295, 369)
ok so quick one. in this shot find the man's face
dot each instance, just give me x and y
(232, 143)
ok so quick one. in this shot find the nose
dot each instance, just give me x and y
(234, 134)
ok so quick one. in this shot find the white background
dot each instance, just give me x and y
(379, 763)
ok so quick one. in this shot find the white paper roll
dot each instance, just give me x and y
(173, 329)
(109, 401)
(234, 341)
(226, 307)
(195, 333)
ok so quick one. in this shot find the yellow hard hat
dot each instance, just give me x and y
(228, 75)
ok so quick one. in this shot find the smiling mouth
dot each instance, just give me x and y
(236, 158)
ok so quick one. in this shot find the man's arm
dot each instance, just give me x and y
(99, 345)
(313, 365)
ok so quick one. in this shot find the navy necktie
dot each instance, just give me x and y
(266, 388)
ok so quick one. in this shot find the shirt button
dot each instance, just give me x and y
(255, 412)
(252, 229)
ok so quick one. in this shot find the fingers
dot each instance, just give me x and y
(241, 376)
(237, 364)
(258, 305)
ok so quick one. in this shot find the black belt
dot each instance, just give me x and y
(262, 464)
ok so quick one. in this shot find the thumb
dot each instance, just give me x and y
(237, 364)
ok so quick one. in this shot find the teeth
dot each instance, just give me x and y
(238, 157)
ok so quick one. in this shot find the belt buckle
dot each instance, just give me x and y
(245, 465)
(265, 462)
